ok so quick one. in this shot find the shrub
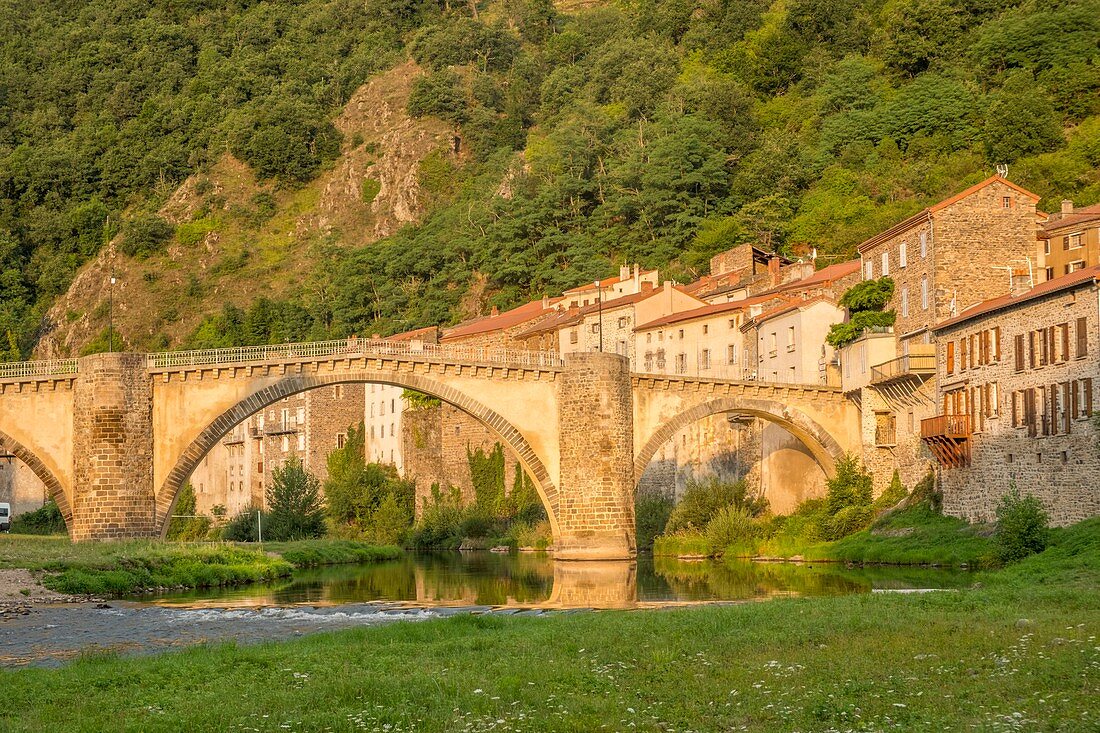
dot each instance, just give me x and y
(651, 513)
(296, 510)
(926, 492)
(242, 527)
(731, 526)
(702, 501)
(1022, 527)
(895, 493)
(47, 519)
(145, 235)
(440, 523)
(847, 501)
(185, 525)
(688, 542)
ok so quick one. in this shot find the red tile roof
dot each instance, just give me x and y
(706, 311)
(607, 281)
(901, 226)
(1079, 216)
(1086, 276)
(419, 333)
(822, 277)
(789, 305)
(508, 319)
(573, 316)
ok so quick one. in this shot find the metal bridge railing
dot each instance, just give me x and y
(32, 369)
(354, 348)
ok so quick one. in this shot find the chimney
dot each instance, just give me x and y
(647, 286)
(773, 270)
(1021, 282)
(624, 273)
(494, 312)
(545, 302)
(1067, 207)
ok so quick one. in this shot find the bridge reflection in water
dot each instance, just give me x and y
(483, 579)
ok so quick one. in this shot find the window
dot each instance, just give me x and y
(573, 336)
(1075, 266)
(681, 334)
(868, 270)
(704, 359)
(773, 342)
(301, 416)
(1050, 273)
(885, 429)
(649, 361)
(790, 338)
(901, 255)
(301, 441)
(885, 264)
(1006, 202)
(622, 321)
(706, 328)
(923, 245)
(904, 301)
(950, 357)
(1082, 338)
(1074, 240)
(1046, 247)
(595, 328)
(924, 293)
(286, 443)
(732, 354)
(681, 363)
(341, 439)
(791, 375)
(381, 431)
(338, 391)
(733, 323)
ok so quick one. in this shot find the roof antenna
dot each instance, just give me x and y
(1002, 170)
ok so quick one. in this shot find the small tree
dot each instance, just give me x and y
(295, 508)
(847, 501)
(1022, 526)
(866, 304)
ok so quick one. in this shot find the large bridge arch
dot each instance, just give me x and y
(824, 447)
(263, 396)
(47, 476)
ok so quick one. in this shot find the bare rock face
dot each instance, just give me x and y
(230, 255)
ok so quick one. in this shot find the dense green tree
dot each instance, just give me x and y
(1021, 121)
(295, 509)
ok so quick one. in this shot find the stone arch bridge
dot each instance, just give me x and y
(115, 436)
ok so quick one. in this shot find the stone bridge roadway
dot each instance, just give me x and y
(115, 436)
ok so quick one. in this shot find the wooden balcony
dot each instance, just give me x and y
(918, 367)
(948, 437)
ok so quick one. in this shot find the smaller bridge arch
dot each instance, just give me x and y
(261, 397)
(44, 474)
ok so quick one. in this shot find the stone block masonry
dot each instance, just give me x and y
(113, 448)
(595, 412)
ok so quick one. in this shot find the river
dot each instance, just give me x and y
(424, 586)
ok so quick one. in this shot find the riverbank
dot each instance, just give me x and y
(59, 566)
(1016, 651)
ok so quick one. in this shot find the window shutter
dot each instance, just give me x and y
(1015, 411)
(1052, 338)
(1065, 341)
(1019, 348)
(1088, 396)
(996, 343)
(962, 354)
(1031, 360)
(1065, 243)
(1082, 337)
(950, 357)
(1075, 406)
(1067, 415)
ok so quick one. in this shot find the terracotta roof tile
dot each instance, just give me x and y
(508, 319)
(573, 316)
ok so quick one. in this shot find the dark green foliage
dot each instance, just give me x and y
(145, 235)
(313, 553)
(702, 501)
(244, 527)
(893, 495)
(847, 507)
(439, 94)
(651, 513)
(487, 477)
(295, 508)
(523, 502)
(419, 401)
(185, 525)
(368, 500)
(1022, 527)
(865, 302)
(1021, 121)
(47, 519)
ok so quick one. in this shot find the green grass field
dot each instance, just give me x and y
(1018, 652)
(120, 568)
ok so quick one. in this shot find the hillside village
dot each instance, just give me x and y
(985, 377)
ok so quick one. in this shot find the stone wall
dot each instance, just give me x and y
(1060, 469)
(711, 447)
(330, 411)
(906, 453)
(596, 504)
(20, 487)
(113, 449)
(789, 474)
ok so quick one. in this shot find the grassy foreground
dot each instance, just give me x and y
(1020, 652)
(119, 568)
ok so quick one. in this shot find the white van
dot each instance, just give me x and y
(5, 517)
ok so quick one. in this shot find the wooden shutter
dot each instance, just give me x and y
(962, 354)
(1065, 341)
(996, 343)
(1082, 337)
(1075, 405)
(1019, 347)
(1067, 415)
(1015, 411)
(1031, 355)
(1029, 411)
(1053, 339)
(950, 357)
(1065, 243)
(1088, 395)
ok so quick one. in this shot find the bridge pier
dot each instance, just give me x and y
(113, 449)
(596, 491)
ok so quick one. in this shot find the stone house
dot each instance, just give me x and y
(1017, 387)
(790, 341)
(958, 252)
(19, 486)
(1068, 241)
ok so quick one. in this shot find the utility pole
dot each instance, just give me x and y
(111, 315)
(599, 300)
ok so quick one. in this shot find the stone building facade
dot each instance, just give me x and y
(19, 486)
(1023, 372)
(1068, 241)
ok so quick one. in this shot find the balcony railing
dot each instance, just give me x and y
(354, 348)
(34, 369)
(948, 438)
(945, 426)
(908, 365)
(886, 435)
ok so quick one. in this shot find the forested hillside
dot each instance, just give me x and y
(658, 132)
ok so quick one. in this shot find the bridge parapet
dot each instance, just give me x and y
(353, 349)
(37, 371)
